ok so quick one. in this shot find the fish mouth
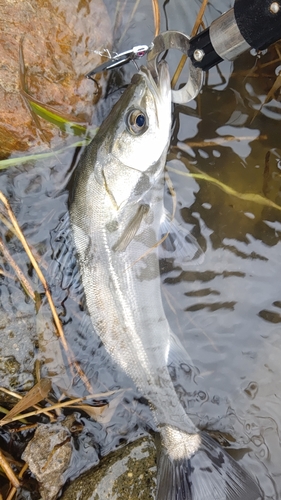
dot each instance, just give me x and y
(159, 85)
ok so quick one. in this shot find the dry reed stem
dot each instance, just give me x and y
(8, 275)
(14, 490)
(220, 141)
(11, 228)
(47, 291)
(11, 393)
(15, 395)
(199, 18)
(61, 405)
(23, 428)
(156, 15)
(39, 392)
(7, 223)
(26, 285)
(9, 471)
(193, 33)
(130, 20)
(276, 86)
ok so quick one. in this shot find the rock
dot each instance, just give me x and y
(18, 334)
(61, 41)
(130, 473)
(48, 455)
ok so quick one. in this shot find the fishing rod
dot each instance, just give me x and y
(250, 24)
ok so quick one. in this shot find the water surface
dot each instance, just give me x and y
(226, 310)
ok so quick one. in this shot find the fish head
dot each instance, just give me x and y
(136, 135)
(128, 152)
(143, 130)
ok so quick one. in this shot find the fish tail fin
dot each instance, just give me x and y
(207, 474)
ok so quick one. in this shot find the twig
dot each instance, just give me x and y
(220, 141)
(273, 62)
(266, 174)
(7, 275)
(270, 95)
(11, 393)
(26, 285)
(59, 405)
(156, 15)
(39, 392)
(22, 86)
(129, 22)
(193, 33)
(119, 9)
(15, 395)
(9, 471)
(36, 267)
(22, 428)
(14, 490)
(7, 223)
(199, 18)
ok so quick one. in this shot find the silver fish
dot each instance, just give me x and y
(116, 214)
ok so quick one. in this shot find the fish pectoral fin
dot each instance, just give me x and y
(131, 229)
(202, 472)
(178, 244)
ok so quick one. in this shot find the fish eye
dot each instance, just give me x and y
(137, 122)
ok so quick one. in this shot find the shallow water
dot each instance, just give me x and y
(226, 310)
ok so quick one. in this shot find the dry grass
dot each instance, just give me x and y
(20, 236)
(195, 29)
(156, 15)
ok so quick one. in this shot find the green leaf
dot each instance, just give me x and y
(47, 114)
(13, 162)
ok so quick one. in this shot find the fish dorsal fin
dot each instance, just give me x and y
(178, 245)
(131, 229)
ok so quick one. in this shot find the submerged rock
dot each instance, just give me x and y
(48, 455)
(61, 41)
(130, 473)
(18, 334)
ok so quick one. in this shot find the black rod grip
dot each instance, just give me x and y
(259, 21)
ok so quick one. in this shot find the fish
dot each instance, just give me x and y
(119, 223)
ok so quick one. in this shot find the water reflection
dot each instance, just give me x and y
(223, 325)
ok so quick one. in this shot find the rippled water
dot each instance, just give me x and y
(226, 310)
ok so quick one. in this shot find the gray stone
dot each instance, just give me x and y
(48, 455)
(18, 334)
(129, 473)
